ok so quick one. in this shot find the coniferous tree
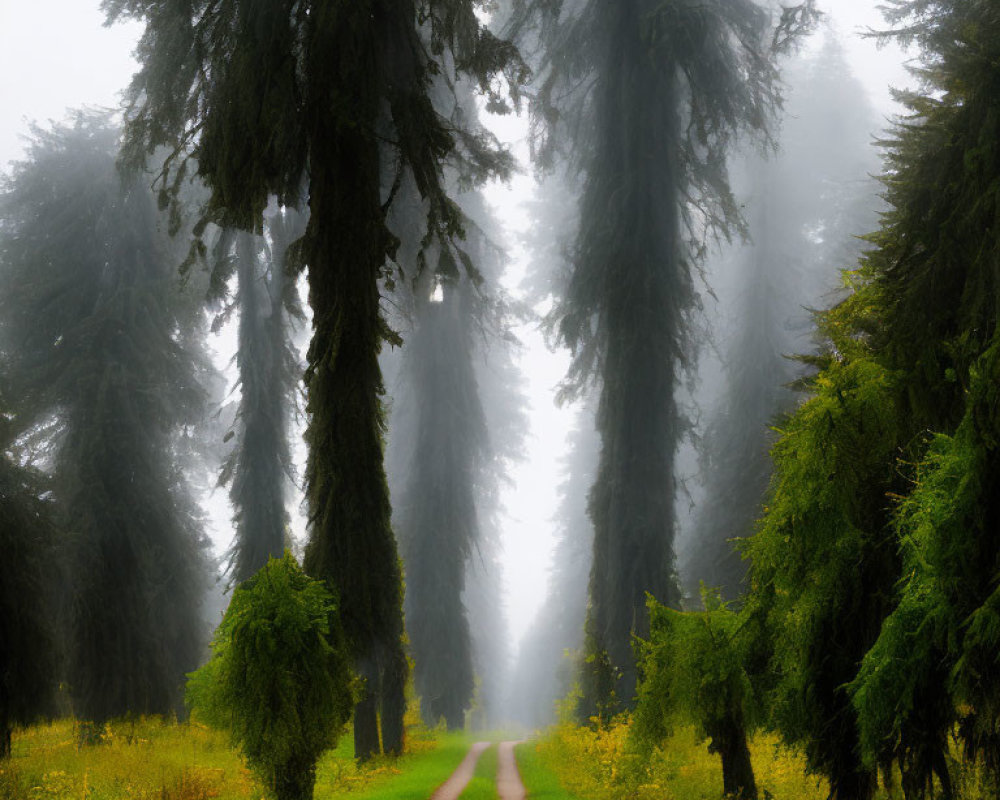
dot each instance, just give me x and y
(928, 307)
(877, 547)
(693, 671)
(344, 87)
(28, 654)
(499, 381)
(806, 207)
(454, 426)
(665, 88)
(259, 467)
(279, 680)
(437, 515)
(549, 657)
(90, 320)
(823, 562)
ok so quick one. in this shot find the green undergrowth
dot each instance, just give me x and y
(152, 759)
(598, 765)
(415, 776)
(577, 763)
(540, 781)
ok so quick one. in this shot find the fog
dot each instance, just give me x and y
(505, 389)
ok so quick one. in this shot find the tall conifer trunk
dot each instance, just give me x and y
(636, 252)
(344, 87)
(346, 485)
(258, 477)
(438, 519)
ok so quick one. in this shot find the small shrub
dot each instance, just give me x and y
(692, 672)
(279, 679)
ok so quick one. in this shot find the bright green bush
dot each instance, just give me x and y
(692, 673)
(279, 679)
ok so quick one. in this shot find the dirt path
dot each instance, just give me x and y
(452, 788)
(509, 785)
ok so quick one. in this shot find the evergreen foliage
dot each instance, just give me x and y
(450, 440)
(888, 475)
(692, 671)
(648, 97)
(279, 680)
(437, 516)
(259, 467)
(931, 285)
(499, 382)
(805, 207)
(549, 656)
(823, 562)
(345, 87)
(28, 571)
(90, 326)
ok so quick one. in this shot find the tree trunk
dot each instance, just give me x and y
(352, 546)
(257, 488)
(393, 703)
(366, 740)
(437, 518)
(295, 780)
(853, 785)
(631, 249)
(738, 780)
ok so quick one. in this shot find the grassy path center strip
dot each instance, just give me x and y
(454, 786)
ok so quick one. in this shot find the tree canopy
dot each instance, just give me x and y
(30, 568)
(647, 99)
(90, 329)
(259, 468)
(347, 89)
(875, 547)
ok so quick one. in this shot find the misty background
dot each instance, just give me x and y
(754, 307)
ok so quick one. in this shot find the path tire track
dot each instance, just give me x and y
(509, 784)
(453, 787)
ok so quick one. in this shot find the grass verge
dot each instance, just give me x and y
(597, 765)
(540, 782)
(414, 776)
(153, 759)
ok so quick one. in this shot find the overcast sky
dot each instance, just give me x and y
(57, 54)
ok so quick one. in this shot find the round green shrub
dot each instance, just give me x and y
(279, 678)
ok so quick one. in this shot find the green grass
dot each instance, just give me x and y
(577, 763)
(415, 776)
(153, 759)
(483, 785)
(539, 780)
(146, 760)
(598, 765)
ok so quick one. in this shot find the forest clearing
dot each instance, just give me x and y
(500, 399)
